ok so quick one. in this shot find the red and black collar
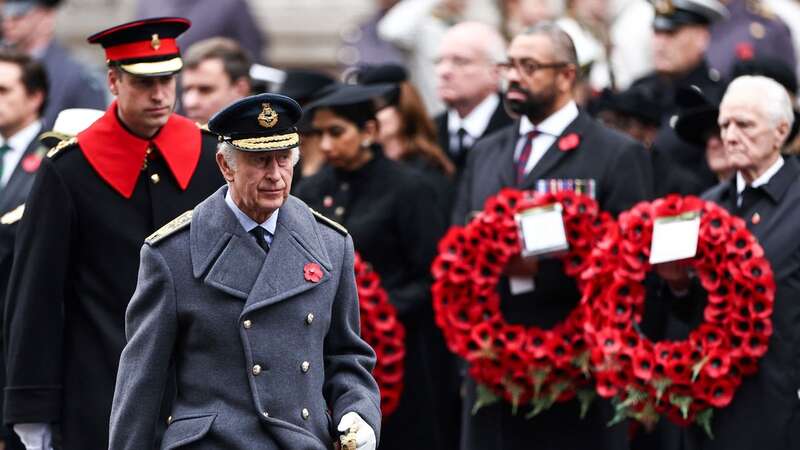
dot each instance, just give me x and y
(117, 155)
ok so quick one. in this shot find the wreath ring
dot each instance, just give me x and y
(687, 379)
(522, 365)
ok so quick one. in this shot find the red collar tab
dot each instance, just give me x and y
(118, 156)
(143, 49)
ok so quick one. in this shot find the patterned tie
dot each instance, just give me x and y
(522, 161)
(260, 235)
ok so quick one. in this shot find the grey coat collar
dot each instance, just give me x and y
(227, 258)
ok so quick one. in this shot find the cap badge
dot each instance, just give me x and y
(268, 117)
(155, 42)
(664, 7)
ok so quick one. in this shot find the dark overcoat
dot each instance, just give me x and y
(75, 265)
(262, 356)
(621, 171)
(765, 411)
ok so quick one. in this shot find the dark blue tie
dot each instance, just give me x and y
(260, 235)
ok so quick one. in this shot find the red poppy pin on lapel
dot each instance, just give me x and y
(312, 272)
(569, 142)
(31, 163)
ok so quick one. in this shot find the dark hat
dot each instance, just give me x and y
(380, 73)
(144, 47)
(373, 96)
(303, 85)
(16, 8)
(640, 102)
(673, 14)
(259, 123)
(698, 116)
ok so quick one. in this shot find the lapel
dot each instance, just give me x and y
(296, 244)
(505, 161)
(228, 259)
(553, 155)
(16, 190)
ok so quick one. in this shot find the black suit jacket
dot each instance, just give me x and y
(500, 119)
(621, 169)
(765, 411)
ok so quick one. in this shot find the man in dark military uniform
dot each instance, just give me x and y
(679, 45)
(93, 202)
(249, 303)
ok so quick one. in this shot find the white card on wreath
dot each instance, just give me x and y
(675, 237)
(521, 285)
(542, 230)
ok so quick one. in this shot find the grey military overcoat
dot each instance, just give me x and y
(261, 355)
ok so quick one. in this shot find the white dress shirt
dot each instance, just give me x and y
(474, 123)
(549, 130)
(18, 143)
(741, 183)
(248, 224)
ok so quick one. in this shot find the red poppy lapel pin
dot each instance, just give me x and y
(312, 272)
(31, 162)
(569, 142)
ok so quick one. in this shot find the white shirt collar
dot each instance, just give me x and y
(248, 223)
(553, 125)
(18, 143)
(476, 122)
(741, 183)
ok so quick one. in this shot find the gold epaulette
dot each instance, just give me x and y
(335, 225)
(13, 216)
(173, 226)
(61, 146)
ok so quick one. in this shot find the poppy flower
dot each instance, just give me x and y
(718, 364)
(720, 393)
(31, 162)
(569, 142)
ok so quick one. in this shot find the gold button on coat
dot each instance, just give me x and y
(305, 366)
(169, 420)
(256, 370)
(155, 178)
(265, 414)
(247, 324)
(339, 211)
(304, 414)
(309, 318)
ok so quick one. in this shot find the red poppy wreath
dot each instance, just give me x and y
(381, 328)
(522, 365)
(684, 380)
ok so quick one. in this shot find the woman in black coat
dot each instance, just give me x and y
(392, 214)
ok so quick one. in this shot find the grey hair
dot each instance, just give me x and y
(228, 153)
(563, 47)
(770, 95)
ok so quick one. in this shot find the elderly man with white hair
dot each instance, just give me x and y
(754, 120)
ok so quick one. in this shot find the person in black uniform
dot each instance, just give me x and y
(392, 215)
(93, 202)
(681, 37)
(540, 72)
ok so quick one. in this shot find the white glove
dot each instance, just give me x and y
(35, 436)
(365, 435)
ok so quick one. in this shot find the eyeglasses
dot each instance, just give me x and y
(527, 66)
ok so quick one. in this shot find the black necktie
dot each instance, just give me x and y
(460, 153)
(260, 234)
(750, 196)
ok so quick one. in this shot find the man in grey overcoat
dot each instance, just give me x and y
(243, 332)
